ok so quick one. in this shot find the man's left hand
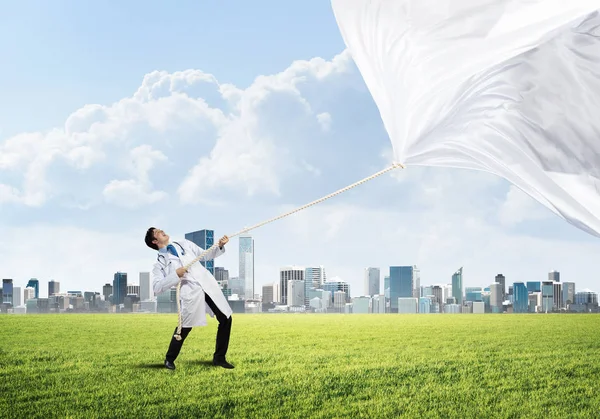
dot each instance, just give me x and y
(224, 240)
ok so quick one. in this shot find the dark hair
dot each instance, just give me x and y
(150, 238)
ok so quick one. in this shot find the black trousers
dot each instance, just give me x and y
(223, 333)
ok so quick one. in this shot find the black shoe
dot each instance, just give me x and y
(170, 365)
(222, 363)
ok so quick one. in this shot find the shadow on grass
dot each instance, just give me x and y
(152, 366)
(200, 362)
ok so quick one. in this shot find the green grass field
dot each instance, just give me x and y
(301, 366)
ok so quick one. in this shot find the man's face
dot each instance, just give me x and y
(161, 238)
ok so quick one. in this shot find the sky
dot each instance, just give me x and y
(219, 115)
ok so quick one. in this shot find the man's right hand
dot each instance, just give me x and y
(181, 271)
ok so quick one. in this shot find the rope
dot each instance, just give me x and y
(245, 230)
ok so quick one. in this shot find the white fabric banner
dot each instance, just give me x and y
(510, 87)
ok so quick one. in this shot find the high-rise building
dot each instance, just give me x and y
(457, 286)
(267, 294)
(554, 276)
(568, 292)
(336, 284)
(521, 300)
(7, 291)
(29, 294)
(401, 285)
(17, 297)
(416, 283)
(558, 300)
(295, 293)
(107, 291)
(53, 288)
(204, 239)
(496, 297)
(500, 279)
(288, 273)
(119, 288)
(372, 281)
(314, 278)
(246, 271)
(35, 284)
(534, 286)
(547, 296)
(145, 286)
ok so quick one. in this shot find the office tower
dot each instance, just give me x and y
(246, 272)
(386, 286)
(35, 284)
(29, 294)
(221, 275)
(7, 291)
(457, 286)
(17, 297)
(288, 273)
(314, 278)
(568, 292)
(534, 286)
(119, 288)
(554, 276)
(496, 297)
(521, 300)
(295, 292)
(416, 283)
(401, 285)
(557, 295)
(547, 296)
(267, 294)
(500, 279)
(204, 239)
(336, 284)
(133, 289)
(372, 281)
(145, 286)
(53, 288)
(107, 291)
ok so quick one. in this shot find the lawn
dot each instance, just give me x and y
(303, 366)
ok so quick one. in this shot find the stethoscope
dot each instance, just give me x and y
(164, 263)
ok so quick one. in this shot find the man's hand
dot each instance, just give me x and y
(181, 271)
(224, 240)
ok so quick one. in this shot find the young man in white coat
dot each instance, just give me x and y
(199, 292)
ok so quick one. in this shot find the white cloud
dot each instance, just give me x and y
(131, 193)
(324, 119)
(519, 207)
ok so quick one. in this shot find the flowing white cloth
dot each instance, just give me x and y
(510, 87)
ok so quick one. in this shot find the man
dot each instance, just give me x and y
(199, 292)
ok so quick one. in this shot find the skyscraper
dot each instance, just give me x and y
(7, 291)
(568, 291)
(554, 276)
(500, 279)
(416, 282)
(145, 286)
(314, 277)
(401, 285)
(246, 271)
(204, 239)
(17, 297)
(53, 288)
(496, 297)
(107, 291)
(119, 288)
(521, 300)
(288, 273)
(457, 286)
(35, 284)
(372, 281)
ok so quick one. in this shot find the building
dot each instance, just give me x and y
(401, 285)
(35, 284)
(295, 292)
(286, 274)
(568, 293)
(554, 276)
(521, 298)
(496, 297)
(558, 300)
(500, 279)
(457, 286)
(246, 265)
(314, 278)
(336, 284)
(372, 281)
(534, 286)
(205, 240)
(28, 294)
(145, 287)
(119, 288)
(17, 297)
(107, 291)
(7, 291)
(408, 305)
(547, 296)
(53, 288)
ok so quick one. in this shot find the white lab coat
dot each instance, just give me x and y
(194, 284)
